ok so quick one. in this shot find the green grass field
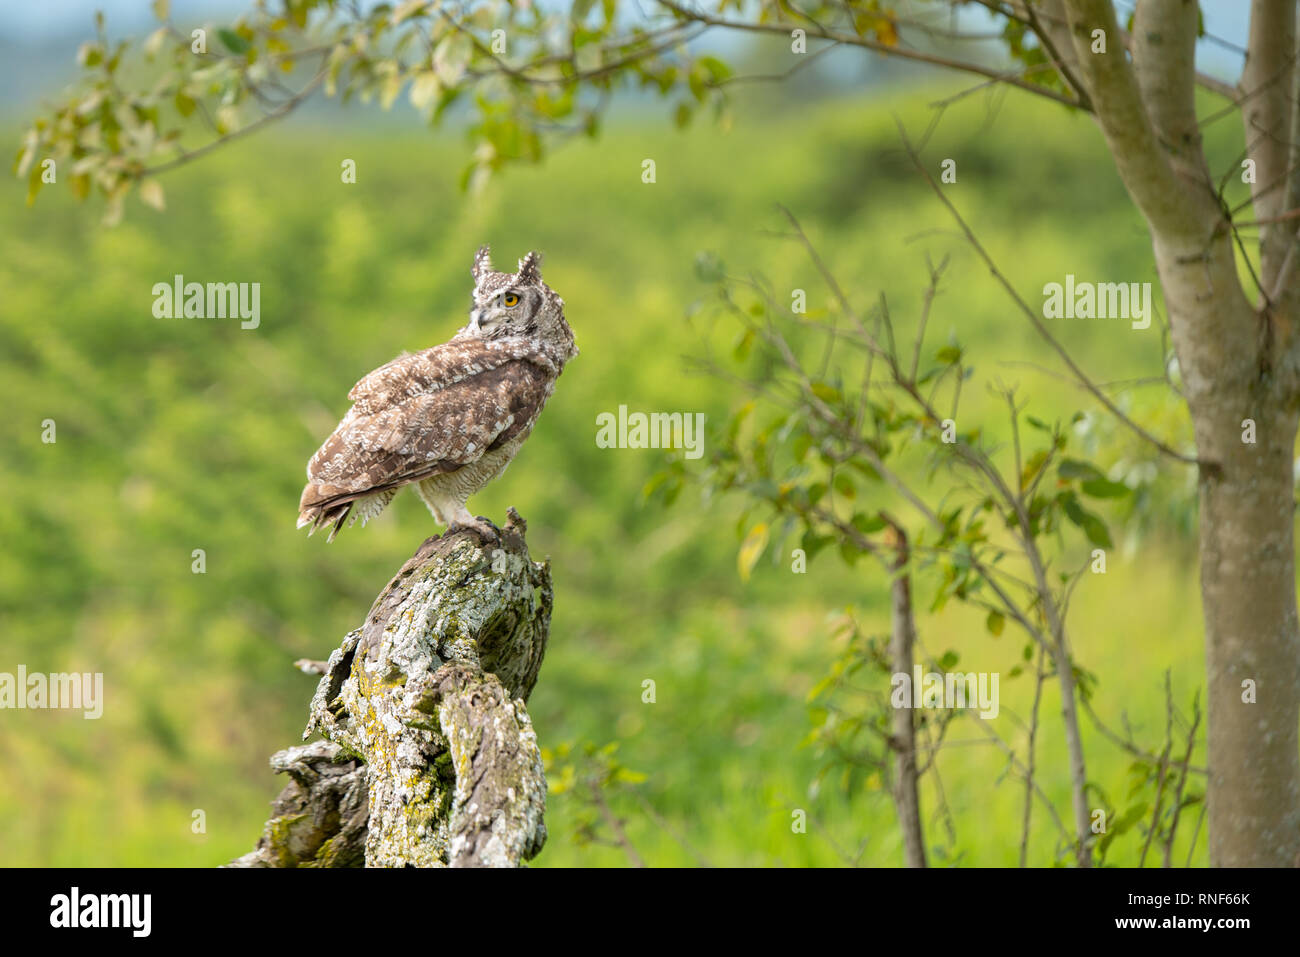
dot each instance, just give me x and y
(176, 435)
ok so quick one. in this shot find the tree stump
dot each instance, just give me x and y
(430, 758)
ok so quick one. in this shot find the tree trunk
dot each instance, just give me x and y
(1247, 552)
(1252, 640)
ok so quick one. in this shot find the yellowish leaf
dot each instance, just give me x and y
(151, 194)
(751, 549)
(424, 89)
(408, 9)
(391, 88)
(155, 41)
(450, 58)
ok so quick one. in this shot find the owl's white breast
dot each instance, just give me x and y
(455, 488)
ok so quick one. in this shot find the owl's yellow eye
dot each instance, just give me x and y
(510, 300)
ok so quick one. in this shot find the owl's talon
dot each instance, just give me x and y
(487, 532)
(492, 534)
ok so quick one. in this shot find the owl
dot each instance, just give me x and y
(449, 419)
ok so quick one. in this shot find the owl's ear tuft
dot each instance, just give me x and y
(482, 262)
(530, 268)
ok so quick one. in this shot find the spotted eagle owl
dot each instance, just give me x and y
(448, 419)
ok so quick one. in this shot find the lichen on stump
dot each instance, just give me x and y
(319, 819)
(429, 693)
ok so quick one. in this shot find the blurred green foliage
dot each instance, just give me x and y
(176, 435)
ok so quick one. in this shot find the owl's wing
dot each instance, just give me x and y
(422, 415)
(441, 367)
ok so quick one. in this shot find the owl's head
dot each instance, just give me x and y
(517, 304)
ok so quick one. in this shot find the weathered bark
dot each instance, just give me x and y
(319, 819)
(500, 796)
(426, 699)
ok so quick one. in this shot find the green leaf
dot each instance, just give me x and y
(695, 81)
(995, 622)
(744, 343)
(1032, 468)
(866, 469)
(654, 482)
(1074, 469)
(233, 41)
(940, 599)
(868, 524)
(34, 183)
(1093, 527)
(812, 543)
(715, 68)
(827, 393)
(1104, 488)
(820, 688)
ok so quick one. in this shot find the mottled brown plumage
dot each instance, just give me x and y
(450, 418)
